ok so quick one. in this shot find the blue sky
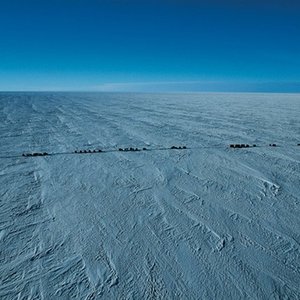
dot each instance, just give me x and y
(144, 45)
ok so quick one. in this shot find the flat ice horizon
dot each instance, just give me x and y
(207, 222)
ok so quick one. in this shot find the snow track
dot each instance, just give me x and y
(211, 224)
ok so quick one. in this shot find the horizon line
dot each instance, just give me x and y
(149, 92)
(167, 86)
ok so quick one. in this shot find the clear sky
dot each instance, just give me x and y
(163, 45)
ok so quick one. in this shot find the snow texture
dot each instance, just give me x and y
(207, 222)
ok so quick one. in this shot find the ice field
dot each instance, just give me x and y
(207, 222)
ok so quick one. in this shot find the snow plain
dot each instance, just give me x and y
(208, 222)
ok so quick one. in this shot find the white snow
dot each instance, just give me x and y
(208, 222)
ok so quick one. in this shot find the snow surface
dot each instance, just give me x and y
(209, 222)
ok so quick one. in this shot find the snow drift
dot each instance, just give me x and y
(207, 222)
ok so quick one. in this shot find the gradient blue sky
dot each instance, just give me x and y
(150, 45)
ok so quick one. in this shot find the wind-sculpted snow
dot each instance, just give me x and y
(201, 223)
